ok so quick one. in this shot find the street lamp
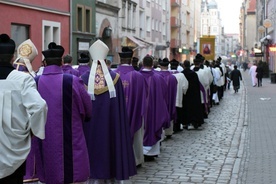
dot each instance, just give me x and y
(267, 24)
(266, 41)
(107, 32)
(261, 29)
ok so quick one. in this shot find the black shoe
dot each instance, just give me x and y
(139, 166)
(148, 158)
(168, 136)
(177, 130)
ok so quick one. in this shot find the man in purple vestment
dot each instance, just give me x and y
(67, 66)
(84, 61)
(157, 115)
(135, 101)
(108, 134)
(62, 157)
(171, 90)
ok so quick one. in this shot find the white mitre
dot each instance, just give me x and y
(26, 53)
(98, 52)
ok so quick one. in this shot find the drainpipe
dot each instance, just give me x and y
(71, 31)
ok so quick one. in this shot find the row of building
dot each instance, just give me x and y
(162, 28)
(257, 35)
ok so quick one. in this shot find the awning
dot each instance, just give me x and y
(161, 47)
(130, 41)
(147, 43)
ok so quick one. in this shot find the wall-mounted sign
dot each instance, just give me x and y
(259, 54)
(272, 49)
(83, 45)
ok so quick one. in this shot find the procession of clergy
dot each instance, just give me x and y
(103, 124)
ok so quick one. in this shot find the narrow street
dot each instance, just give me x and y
(222, 152)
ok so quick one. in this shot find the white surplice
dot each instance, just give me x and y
(22, 112)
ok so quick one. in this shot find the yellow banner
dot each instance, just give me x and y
(207, 47)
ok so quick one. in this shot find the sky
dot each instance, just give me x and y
(230, 12)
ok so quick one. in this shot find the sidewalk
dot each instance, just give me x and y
(259, 159)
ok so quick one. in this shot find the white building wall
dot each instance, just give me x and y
(212, 25)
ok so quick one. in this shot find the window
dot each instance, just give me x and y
(129, 16)
(164, 5)
(215, 29)
(164, 29)
(148, 23)
(124, 14)
(152, 24)
(20, 33)
(184, 18)
(84, 18)
(134, 17)
(88, 20)
(50, 33)
(205, 30)
(79, 18)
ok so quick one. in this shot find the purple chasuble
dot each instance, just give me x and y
(69, 69)
(63, 157)
(156, 108)
(135, 95)
(108, 134)
(83, 68)
(171, 83)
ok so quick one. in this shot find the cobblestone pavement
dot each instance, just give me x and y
(236, 146)
(209, 156)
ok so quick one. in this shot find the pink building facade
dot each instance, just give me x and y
(41, 21)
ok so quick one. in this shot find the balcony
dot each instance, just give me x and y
(175, 22)
(175, 2)
(175, 43)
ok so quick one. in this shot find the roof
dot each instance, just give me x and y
(212, 5)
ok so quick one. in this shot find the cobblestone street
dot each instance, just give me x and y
(212, 155)
(236, 145)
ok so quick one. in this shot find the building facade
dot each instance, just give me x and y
(265, 25)
(107, 27)
(82, 26)
(40, 21)
(212, 25)
(161, 28)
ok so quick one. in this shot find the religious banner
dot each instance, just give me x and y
(207, 47)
